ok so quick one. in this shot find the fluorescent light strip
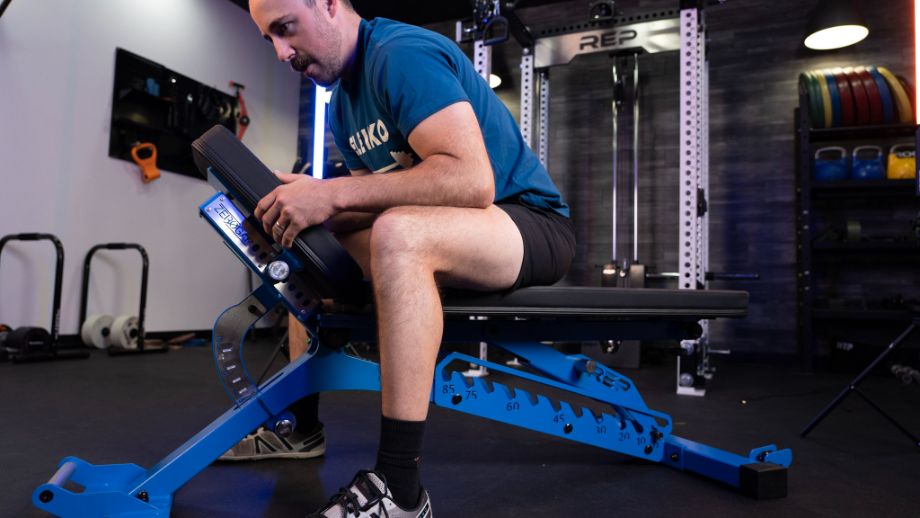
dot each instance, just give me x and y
(319, 131)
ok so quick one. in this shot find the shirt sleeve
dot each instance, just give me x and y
(415, 80)
(340, 137)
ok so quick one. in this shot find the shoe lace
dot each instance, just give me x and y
(349, 500)
(254, 433)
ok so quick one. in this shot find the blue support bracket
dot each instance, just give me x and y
(631, 428)
(632, 431)
(761, 475)
(127, 490)
(105, 493)
(124, 490)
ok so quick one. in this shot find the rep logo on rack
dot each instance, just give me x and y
(605, 40)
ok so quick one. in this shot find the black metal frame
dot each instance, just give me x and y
(142, 307)
(806, 232)
(54, 351)
(917, 162)
(807, 283)
(804, 235)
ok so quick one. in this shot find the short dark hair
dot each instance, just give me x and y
(311, 3)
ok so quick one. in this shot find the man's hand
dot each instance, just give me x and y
(301, 202)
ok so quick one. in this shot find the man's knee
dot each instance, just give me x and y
(398, 231)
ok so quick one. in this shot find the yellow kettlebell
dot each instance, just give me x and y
(902, 162)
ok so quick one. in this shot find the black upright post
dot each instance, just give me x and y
(917, 162)
(4, 5)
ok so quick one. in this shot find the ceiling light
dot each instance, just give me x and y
(835, 24)
(494, 81)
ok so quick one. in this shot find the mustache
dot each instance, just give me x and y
(300, 63)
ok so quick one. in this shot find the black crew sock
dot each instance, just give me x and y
(399, 458)
(306, 411)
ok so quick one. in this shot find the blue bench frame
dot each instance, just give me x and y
(629, 427)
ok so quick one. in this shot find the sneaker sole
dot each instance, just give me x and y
(288, 455)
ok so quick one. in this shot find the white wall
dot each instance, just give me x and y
(57, 60)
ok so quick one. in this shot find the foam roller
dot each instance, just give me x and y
(125, 332)
(96, 331)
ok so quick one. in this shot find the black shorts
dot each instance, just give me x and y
(549, 244)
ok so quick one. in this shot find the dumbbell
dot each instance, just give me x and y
(905, 374)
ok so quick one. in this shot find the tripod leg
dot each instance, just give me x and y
(851, 386)
(890, 419)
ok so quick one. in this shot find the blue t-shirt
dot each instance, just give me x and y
(404, 74)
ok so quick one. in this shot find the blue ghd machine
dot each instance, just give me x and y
(318, 269)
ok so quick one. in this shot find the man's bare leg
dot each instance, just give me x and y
(414, 250)
(306, 408)
(357, 244)
(408, 254)
(297, 338)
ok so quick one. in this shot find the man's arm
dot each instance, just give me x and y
(455, 169)
(351, 221)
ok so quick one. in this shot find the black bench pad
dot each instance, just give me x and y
(600, 302)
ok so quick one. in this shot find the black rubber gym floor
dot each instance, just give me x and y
(138, 409)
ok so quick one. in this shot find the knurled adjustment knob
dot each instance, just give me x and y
(279, 271)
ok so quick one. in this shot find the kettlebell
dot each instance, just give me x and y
(902, 162)
(868, 163)
(830, 164)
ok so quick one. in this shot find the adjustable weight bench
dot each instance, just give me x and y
(318, 268)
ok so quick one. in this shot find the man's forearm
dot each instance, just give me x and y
(436, 181)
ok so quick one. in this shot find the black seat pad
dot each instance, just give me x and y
(600, 302)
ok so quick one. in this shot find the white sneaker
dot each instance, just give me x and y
(368, 497)
(265, 444)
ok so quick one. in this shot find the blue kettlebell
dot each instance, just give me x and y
(831, 164)
(868, 163)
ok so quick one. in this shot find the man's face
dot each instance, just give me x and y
(303, 36)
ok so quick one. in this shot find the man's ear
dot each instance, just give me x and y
(331, 6)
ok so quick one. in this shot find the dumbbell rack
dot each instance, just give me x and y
(52, 351)
(142, 307)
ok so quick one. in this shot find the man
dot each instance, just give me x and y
(463, 203)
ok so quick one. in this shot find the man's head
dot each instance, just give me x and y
(312, 35)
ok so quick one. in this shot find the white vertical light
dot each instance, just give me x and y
(319, 131)
(917, 58)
